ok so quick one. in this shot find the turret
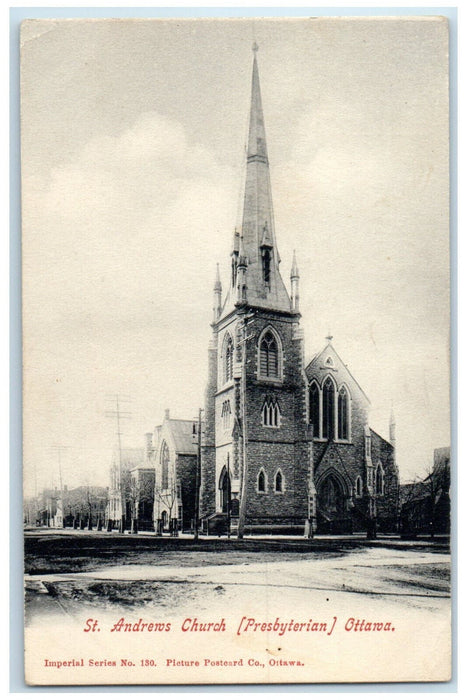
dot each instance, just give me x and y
(234, 255)
(242, 267)
(294, 281)
(217, 302)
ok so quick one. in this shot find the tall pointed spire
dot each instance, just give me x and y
(256, 134)
(265, 285)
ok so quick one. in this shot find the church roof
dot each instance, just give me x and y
(318, 366)
(182, 435)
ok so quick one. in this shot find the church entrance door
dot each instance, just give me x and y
(226, 494)
(332, 515)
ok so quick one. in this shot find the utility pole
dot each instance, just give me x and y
(58, 451)
(119, 415)
(198, 478)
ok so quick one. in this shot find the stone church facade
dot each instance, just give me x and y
(286, 445)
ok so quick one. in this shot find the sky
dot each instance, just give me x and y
(133, 137)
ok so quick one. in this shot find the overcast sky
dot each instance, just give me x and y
(133, 138)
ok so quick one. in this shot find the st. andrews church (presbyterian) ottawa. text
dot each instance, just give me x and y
(286, 445)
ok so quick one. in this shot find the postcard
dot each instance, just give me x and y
(235, 239)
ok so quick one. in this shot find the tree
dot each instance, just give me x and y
(167, 497)
(140, 491)
(424, 503)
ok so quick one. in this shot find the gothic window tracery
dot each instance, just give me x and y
(226, 414)
(165, 459)
(343, 415)
(228, 359)
(314, 408)
(271, 413)
(269, 356)
(379, 480)
(329, 394)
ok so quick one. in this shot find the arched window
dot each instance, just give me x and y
(225, 414)
(165, 459)
(379, 480)
(269, 356)
(343, 415)
(314, 408)
(271, 413)
(266, 267)
(261, 483)
(278, 482)
(358, 486)
(328, 409)
(228, 359)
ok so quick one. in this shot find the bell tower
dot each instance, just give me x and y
(257, 466)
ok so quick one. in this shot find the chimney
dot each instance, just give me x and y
(148, 443)
(167, 414)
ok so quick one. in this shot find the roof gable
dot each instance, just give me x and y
(328, 362)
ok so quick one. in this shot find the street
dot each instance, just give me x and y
(141, 607)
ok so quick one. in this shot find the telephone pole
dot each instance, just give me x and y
(58, 451)
(198, 478)
(119, 415)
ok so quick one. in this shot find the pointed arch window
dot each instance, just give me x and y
(228, 359)
(267, 267)
(261, 482)
(269, 356)
(343, 415)
(379, 480)
(165, 459)
(270, 413)
(226, 414)
(329, 397)
(314, 408)
(358, 487)
(278, 482)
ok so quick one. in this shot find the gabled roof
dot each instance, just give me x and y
(181, 432)
(317, 363)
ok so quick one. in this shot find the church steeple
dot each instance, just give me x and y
(255, 258)
(265, 285)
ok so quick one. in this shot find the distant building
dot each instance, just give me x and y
(79, 507)
(85, 506)
(175, 463)
(122, 463)
(141, 491)
(426, 503)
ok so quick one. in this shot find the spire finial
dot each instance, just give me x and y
(329, 337)
(255, 48)
(294, 274)
(217, 283)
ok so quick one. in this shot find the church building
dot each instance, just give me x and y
(286, 445)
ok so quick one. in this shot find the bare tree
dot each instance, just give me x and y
(167, 497)
(420, 499)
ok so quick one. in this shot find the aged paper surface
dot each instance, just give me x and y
(209, 495)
